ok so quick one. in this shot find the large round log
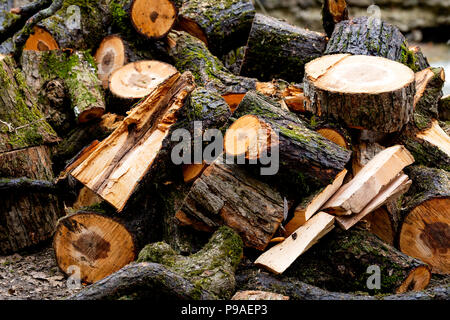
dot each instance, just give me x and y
(340, 262)
(222, 25)
(153, 19)
(276, 49)
(365, 92)
(307, 160)
(425, 228)
(373, 37)
(333, 12)
(27, 216)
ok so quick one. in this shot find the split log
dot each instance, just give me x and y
(281, 256)
(153, 19)
(333, 12)
(444, 108)
(73, 74)
(381, 40)
(378, 173)
(424, 231)
(276, 49)
(130, 151)
(255, 279)
(307, 160)
(208, 274)
(227, 195)
(28, 216)
(363, 153)
(341, 260)
(222, 25)
(21, 121)
(311, 204)
(364, 92)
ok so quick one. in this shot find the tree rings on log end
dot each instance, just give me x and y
(138, 79)
(417, 280)
(96, 244)
(365, 92)
(153, 19)
(425, 234)
(40, 40)
(110, 56)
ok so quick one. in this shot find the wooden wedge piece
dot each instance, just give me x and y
(281, 256)
(379, 172)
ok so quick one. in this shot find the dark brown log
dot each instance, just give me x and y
(381, 39)
(28, 215)
(222, 25)
(364, 92)
(444, 108)
(425, 226)
(339, 262)
(307, 160)
(22, 124)
(278, 50)
(227, 195)
(333, 12)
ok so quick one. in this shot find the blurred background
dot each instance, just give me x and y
(424, 22)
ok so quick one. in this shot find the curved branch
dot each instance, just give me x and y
(28, 185)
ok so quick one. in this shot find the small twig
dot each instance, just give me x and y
(21, 37)
(32, 8)
(13, 129)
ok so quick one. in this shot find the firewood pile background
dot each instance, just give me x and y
(331, 180)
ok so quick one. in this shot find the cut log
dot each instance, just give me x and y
(364, 92)
(425, 231)
(363, 153)
(227, 195)
(444, 108)
(40, 40)
(419, 60)
(396, 187)
(381, 40)
(380, 223)
(333, 131)
(378, 173)
(310, 205)
(333, 12)
(280, 257)
(96, 244)
(307, 160)
(22, 123)
(138, 79)
(221, 24)
(192, 171)
(129, 152)
(278, 50)
(27, 217)
(341, 261)
(258, 295)
(110, 56)
(153, 19)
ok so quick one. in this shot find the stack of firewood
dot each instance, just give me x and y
(354, 121)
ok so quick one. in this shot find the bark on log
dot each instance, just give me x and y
(307, 160)
(22, 123)
(255, 279)
(222, 25)
(339, 262)
(381, 39)
(28, 216)
(227, 195)
(333, 12)
(425, 227)
(278, 50)
(365, 92)
(444, 108)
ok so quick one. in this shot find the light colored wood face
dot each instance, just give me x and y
(192, 171)
(110, 56)
(425, 234)
(97, 245)
(359, 74)
(138, 79)
(249, 136)
(334, 136)
(153, 18)
(437, 137)
(417, 280)
(40, 40)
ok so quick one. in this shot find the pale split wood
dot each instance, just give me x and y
(281, 256)
(397, 186)
(437, 137)
(380, 171)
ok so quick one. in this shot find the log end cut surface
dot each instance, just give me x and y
(94, 243)
(41, 40)
(109, 56)
(153, 19)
